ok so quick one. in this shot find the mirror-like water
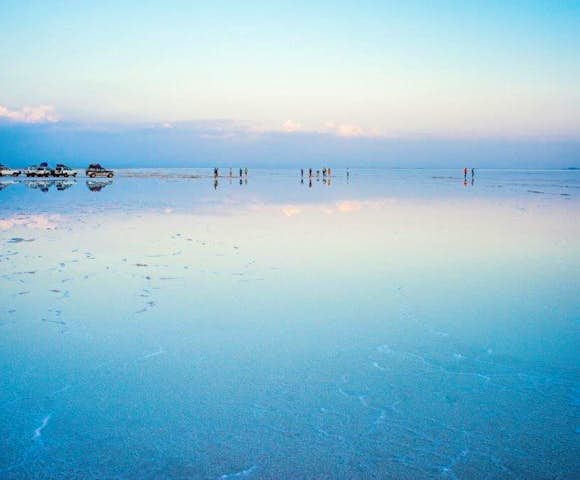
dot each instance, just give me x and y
(393, 324)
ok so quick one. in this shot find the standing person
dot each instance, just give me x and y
(241, 173)
(472, 173)
(465, 173)
(246, 171)
(231, 172)
(301, 173)
(215, 172)
(310, 173)
(347, 174)
(329, 172)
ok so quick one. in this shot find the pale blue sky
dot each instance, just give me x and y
(451, 69)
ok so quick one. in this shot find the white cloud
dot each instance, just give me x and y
(291, 126)
(41, 222)
(40, 114)
(344, 130)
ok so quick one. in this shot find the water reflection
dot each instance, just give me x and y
(5, 184)
(62, 185)
(42, 185)
(97, 185)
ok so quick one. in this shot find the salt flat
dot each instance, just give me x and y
(392, 324)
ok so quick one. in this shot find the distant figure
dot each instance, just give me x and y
(241, 173)
(472, 173)
(465, 173)
(215, 172)
(231, 175)
(215, 183)
(302, 181)
(310, 183)
(309, 173)
(241, 181)
(347, 173)
(329, 172)
(301, 173)
(317, 173)
(246, 171)
(324, 172)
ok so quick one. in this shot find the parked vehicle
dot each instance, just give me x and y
(8, 172)
(96, 170)
(41, 170)
(63, 171)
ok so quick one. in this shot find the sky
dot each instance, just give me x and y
(366, 75)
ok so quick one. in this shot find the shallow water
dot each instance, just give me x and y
(395, 324)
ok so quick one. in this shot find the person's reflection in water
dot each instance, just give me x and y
(328, 181)
(301, 181)
(241, 181)
(246, 181)
(310, 183)
(215, 183)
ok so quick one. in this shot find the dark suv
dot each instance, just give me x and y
(96, 170)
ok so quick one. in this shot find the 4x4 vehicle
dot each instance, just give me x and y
(63, 171)
(96, 170)
(8, 172)
(41, 170)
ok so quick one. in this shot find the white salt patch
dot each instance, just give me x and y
(38, 431)
(240, 474)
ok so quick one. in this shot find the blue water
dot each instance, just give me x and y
(393, 324)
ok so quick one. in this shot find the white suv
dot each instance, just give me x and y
(8, 172)
(41, 170)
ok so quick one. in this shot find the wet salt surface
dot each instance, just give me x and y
(400, 325)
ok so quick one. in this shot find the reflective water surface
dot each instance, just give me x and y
(388, 324)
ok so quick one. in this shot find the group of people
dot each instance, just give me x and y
(466, 171)
(326, 172)
(243, 172)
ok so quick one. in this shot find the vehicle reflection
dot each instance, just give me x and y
(42, 185)
(6, 184)
(62, 185)
(97, 185)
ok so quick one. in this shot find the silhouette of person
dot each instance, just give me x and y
(302, 173)
(465, 173)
